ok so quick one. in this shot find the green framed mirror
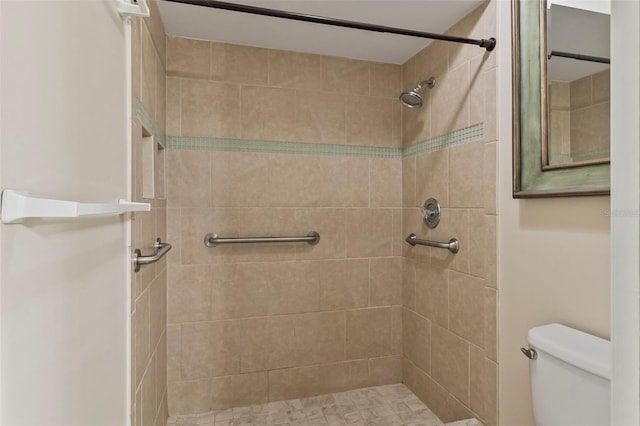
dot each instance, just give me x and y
(532, 174)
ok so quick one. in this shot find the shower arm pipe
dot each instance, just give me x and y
(212, 240)
(488, 44)
(453, 245)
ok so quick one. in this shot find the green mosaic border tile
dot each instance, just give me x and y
(468, 134)
(149, 123)
(276, 147)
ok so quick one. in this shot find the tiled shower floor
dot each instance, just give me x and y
(390, 405)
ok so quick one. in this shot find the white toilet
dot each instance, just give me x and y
(570, 376)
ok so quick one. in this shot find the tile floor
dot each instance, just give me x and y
(390, 405)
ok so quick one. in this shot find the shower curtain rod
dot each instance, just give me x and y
(579, 57)
(488, 44)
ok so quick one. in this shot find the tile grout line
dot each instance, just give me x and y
(210, 54)
(180, 107)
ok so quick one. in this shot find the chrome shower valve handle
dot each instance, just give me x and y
(431, 212)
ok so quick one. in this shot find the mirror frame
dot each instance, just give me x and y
(531, 179)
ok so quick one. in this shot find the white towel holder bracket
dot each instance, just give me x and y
(17, 206)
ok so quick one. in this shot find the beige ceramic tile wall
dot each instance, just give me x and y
(449, 301)
(230, 91)
(579, 113)
(256, 323)
(559, 121)
(149, 286)
(590, 118)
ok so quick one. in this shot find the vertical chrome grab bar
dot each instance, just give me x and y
(212, 240)
(160, 250)
(453, 245)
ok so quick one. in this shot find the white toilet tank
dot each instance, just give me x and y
(570, 377)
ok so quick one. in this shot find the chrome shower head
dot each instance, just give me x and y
(412, 98)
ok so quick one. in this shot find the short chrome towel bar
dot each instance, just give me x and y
(212, 240)
(160, 250)
(453, 245)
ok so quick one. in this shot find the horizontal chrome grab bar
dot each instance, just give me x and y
(453, 245)
(212, 240)
(160, 250)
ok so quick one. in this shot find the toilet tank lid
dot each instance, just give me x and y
(590, 353)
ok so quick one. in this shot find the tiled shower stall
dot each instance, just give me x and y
(267, 142)
(579, 118)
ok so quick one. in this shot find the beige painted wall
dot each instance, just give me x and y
(554, 267)
(553, 263)
(63, 310)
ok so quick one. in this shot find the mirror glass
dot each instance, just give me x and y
(577, 80)
(560, 124)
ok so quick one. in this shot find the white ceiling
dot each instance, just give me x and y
(434, 16)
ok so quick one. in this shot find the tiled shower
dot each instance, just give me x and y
(269, 142)
(579, 118)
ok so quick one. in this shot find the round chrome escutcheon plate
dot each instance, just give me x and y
(431, 212)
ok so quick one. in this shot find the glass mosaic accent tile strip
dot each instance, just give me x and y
(458, 137)
(468, 134)
(149, 123)
(273, 147)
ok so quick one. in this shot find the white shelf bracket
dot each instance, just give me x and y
(136, 8)
(17, 206)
